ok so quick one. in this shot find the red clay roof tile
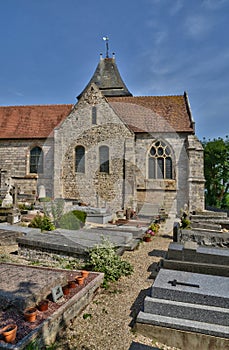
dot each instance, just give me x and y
(31, 121)
(154, 113)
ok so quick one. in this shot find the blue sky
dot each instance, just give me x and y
(50, 49)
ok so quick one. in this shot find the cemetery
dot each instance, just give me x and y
(188, 301)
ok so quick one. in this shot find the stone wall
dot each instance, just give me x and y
(14, 164)
(93, 187)
(170, 194)
(196, 179)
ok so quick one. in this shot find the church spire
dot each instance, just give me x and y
(107, 77)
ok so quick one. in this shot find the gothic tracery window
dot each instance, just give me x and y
(80, 159)
(160, 161)
(36, 160)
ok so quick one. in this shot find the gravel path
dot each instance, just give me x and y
(106, 323)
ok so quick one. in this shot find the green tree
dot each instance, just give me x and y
(216, 170)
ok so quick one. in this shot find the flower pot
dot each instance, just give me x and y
(30, 314)
(43, 305)
(147, 239)
(84, 273)
(9, 332)
(66, 290)
(80, 280)
(72, 284)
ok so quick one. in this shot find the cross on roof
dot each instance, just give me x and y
(106, 39)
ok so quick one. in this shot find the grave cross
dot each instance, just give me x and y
(174, 283)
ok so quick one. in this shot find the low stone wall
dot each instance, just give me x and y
(202, 237)
(49, 255)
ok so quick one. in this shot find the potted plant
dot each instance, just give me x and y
(9, 332)
(43, 305)
(30, 314)
(149, 235)
(66, 289)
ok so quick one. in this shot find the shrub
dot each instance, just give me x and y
(185, 223)
(45, 199)
(73, 220)
(42, 222)
(81, 215)
(103, 258)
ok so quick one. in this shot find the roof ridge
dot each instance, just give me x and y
(39, 105)
(144, 96)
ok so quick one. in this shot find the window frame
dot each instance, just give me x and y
(36, 160)
(104, 166)
(79, 166)
(158, 157)
(94, 115)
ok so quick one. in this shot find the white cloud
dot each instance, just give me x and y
(214, 4)
(176, 7)
(197, 26)
(160, 37)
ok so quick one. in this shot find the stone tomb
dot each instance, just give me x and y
(199, 259)
(187, 307)
(24, 286)
(73, 243)
(207, 228)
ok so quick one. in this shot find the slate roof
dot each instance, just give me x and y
(18, 122)
(108, 79)
(154, 113)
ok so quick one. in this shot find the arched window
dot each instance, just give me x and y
(80, 159)
(104, 159)
(160, 161)
(36, 160)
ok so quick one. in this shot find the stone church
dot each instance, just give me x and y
(111, 149)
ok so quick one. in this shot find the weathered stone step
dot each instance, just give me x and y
(208, 217)
(208, 213)
(205, 225)
(190, 251)
(196, 267)
(189, 311)
(183, 324)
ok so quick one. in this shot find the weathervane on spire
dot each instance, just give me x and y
(105, 38)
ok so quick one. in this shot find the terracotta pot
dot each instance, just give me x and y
(80, 280)
(43, 305)
(72, 284)
(84, 273)
(147, 239)
(30, 314)
(9, 332)
(66, 290)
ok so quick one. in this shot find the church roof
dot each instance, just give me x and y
(108, 79)
(18, 122)
(154, 113)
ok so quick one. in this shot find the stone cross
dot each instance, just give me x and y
(174, 283)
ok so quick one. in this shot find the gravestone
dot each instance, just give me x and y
(41, 192)
(190, 303)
